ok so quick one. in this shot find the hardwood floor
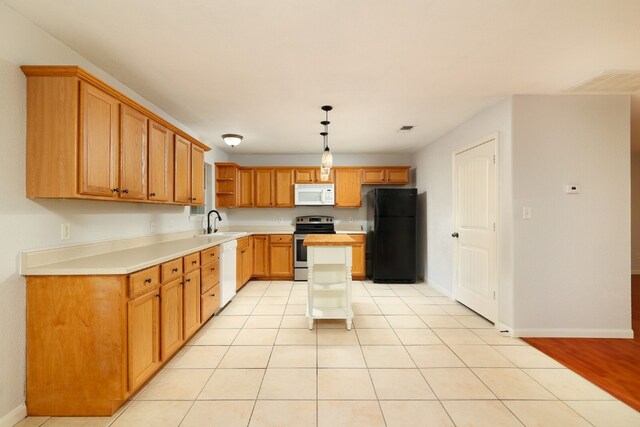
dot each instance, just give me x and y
(612, 364)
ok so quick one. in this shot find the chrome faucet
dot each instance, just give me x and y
(214, 221)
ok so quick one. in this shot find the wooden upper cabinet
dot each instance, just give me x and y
(397, 176)
(311, 176)
(86, 140)
(133, 154)
(182, 171)
(390, 175)
(160, 165)
(245, 195)
(227, 186)
(197, 175)
(373, 176)
(348, 188)
(264, 181)
(284, 188)
(99, 142)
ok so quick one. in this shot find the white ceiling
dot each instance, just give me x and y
(263, 68)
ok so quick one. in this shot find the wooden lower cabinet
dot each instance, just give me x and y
(143, 337)
(260, 256)
(244, 261)
(171, 318)
(358, 271)
(281, 256)
(191, 304)
(210, 301)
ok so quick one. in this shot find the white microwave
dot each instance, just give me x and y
(314, 195)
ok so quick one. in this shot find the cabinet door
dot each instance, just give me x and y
(99, 142)
(281, 260)
(210, 301)
(397, 176)
(182, 174)
(133, 154)
(159, 166)
(373, 176)
(357, 257)
(304, 176)
(170, 318)
(260, 256)
(245, 198)
(197, 175)
(239, 267)
(143, 334)
(284, 188)
(247, 262)
(264, 183)
(191, 304)
(348, 188)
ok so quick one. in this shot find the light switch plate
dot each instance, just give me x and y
(65, 231)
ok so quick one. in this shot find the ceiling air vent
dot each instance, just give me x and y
(610, 82)
(406, 128)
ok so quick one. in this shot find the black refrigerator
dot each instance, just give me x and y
(392, 242)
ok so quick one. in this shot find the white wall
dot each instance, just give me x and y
(572, 260)
(240, 216)
(434, 178)
(28, 224)
(635, 212)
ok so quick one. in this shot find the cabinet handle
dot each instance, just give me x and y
(188, 280)
(213, 269)
(115, 190)
(182, 283)
(175, 270)
(194, 262)
(147, 280)
(157, 295)
(125, 190)
(213, 295)
(152, 194)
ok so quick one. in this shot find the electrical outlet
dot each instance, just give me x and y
(281, 220)
(350, 219)
(526, 212)
(171, 225)
(152, 226)
(65, 231)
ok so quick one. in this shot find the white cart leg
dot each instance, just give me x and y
(310, 323)
(348, 324)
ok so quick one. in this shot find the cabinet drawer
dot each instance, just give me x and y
(171, 270)
(281, 238)
(143, 281)
(357, 237)
(191, 262)
(210, 302)
(210, 255)
(210, 275)
(243, 243)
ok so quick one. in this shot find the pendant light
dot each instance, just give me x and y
(327, 157)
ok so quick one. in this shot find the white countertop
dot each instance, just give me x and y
(125, 261)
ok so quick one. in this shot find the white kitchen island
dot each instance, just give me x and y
(329, 260)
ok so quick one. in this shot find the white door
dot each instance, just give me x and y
(474, 221)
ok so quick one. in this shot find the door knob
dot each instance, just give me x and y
(455, 235)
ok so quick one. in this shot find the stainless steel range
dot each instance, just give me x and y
(310, 224)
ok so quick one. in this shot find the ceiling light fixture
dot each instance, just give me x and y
(231, 139)
(327, 157)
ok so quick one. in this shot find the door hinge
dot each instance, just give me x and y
(494, 159)
(494, 226)
(494, 295)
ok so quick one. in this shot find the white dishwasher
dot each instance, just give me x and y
(227, 271)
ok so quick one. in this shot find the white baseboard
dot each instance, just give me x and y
(573, 333)
(440, 289)
(14, 417)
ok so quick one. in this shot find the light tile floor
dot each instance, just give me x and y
(413, 358)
